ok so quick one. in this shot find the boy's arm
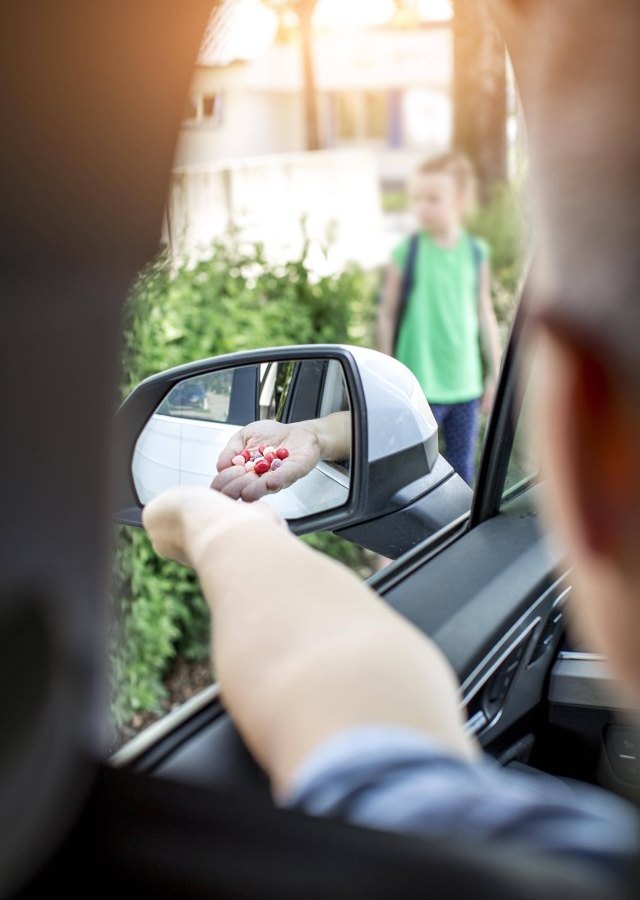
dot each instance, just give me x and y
(489, 337)
(302, 648)
(389, 308)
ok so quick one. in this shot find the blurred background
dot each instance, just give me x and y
(317, 110)
(288, 191)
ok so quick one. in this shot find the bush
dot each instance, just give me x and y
(233, 300)
(503, 223)
(237, 300)
(160, 614)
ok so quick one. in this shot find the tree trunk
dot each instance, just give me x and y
(305, 10)
(479, 93)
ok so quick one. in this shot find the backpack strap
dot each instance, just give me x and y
(407, 282)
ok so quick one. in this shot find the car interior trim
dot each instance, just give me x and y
(519, 646)
(585, 680)
(139, 745)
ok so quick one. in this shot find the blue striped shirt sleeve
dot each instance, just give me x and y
(396, 779)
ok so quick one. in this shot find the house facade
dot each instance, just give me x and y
(383, 104)
(385, 88)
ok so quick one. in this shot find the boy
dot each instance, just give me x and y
(446, 330)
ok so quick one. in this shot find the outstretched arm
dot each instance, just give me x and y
(302, 648)
(389, 309)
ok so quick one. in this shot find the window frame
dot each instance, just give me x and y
(488, 497)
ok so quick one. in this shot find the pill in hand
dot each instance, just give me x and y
(265, 459)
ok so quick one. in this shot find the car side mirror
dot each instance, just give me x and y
(387, 491)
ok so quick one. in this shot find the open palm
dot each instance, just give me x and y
(304, 452)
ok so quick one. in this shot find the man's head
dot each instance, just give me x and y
(442, 192)
(586, 424)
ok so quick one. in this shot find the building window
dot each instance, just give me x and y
(212, 109)
(362, 116)
(346, 116)
(427, 118)
(376, 115)
(203, 109)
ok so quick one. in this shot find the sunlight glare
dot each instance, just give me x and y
(354, 13)
(435, 10)
(254, 30)
(351, 13)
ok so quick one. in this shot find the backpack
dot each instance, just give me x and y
(409, 272)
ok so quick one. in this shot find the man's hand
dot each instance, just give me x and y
(182, 520)
(300, 439)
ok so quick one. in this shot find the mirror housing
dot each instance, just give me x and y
(401, 489)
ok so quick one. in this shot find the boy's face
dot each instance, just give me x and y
(436, 202)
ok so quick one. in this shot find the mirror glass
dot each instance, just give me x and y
(283, 429)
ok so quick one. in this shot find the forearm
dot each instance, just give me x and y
(306, 649)
(389, 309)
(333, 433)
(489, 340)
(386, 332)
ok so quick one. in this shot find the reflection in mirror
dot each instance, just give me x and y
(300, 406)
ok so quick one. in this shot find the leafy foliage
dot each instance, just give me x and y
(503, 223)
(160, 613)
(237, 300)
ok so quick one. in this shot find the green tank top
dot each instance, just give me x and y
(439, 337)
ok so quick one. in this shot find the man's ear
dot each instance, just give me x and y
(603, 448)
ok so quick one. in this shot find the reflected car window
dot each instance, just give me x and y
(205, 397)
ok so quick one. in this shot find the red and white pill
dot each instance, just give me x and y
(265, 459)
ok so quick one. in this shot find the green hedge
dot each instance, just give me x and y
(504, 224)
(238, 300)
(234, 300)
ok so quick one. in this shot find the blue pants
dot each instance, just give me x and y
(459, 423)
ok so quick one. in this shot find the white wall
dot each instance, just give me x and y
(267, 197)
(252, 124)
